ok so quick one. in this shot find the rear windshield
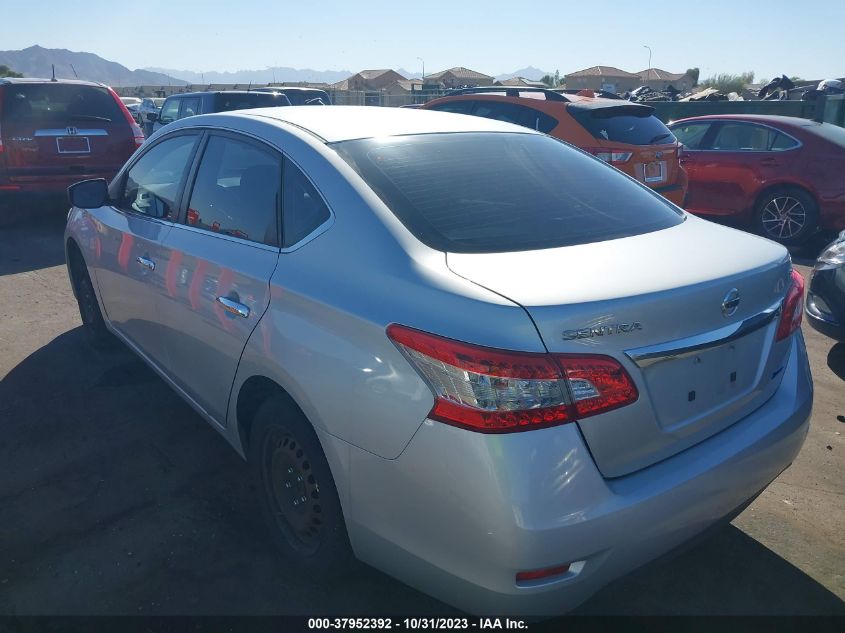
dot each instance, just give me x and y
(498, 192)
(632, 125)
(56, 103)
(308, 97)
(226, 102)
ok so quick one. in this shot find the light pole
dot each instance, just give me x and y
(649, 57)
(423, 68)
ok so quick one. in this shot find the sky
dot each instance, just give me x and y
(494, 36)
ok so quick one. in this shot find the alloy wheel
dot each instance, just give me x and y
(783, 217)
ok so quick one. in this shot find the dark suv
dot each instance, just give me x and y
(54, 133)
(192, 103)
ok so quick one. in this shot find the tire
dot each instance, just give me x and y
(296, 490)
(93, 325)
(787, 215)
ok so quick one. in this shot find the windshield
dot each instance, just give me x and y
(495, 192)
(56, 103)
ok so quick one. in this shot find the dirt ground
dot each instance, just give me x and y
(118, 499)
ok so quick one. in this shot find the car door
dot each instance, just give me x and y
(219, 260)
(130, 234)
(740, 159)
(695, 137)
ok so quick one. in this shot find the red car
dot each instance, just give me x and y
(783, 176)
(56, 133)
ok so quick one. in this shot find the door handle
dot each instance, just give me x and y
(146, 263)
(232, 306)
(769, 162)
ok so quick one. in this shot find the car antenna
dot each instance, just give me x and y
(74, 71)
(249, 87)
(54, 72)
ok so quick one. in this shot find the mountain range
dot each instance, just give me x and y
(37, 61)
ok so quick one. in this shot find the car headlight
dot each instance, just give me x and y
(833, 255)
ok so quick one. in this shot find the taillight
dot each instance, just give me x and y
(137, 133)
(793, 308)
(612, 156)
(501, 391)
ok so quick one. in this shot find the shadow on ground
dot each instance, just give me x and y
(31, 235)
(118, 499)
(836, 360)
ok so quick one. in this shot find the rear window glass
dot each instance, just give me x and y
(54, 103)
(226, 102)
(308, 97)
(487, 193)
(632, 125)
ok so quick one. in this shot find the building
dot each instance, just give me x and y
(369, 80)
(605, 78)
(658, 79)
(520, 82)
(459, 77)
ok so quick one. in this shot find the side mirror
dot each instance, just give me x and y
(89, 194)
(152, 117)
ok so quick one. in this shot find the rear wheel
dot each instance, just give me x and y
(297, 493)
(787, 215)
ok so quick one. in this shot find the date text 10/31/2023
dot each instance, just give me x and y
(414, 624)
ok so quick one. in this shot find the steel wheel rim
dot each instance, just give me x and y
(784, 217)
(293, 491)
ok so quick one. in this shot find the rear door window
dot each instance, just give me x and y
(743, 137)
(225, 102)
(628, 124)
(516, 114)
(496, 192)
(152, 184)
(236, 191)
(58, 104)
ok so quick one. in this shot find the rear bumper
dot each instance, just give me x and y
(458, 514)
(48, 184)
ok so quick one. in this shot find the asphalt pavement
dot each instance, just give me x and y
(116, 498)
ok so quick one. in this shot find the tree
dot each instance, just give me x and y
(5, 71)
(726, 82)
(693, 73)
(552, 81)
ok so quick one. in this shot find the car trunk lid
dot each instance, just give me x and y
(662, 304)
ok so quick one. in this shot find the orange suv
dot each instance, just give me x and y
(626, 135)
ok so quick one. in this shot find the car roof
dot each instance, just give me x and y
(216, 92)
(39, 80)
(771, 119)
(344, 123)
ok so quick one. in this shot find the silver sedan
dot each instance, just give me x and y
(458, 350)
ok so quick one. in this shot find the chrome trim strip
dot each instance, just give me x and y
(63, 132)
(223, 236)
(652, 354)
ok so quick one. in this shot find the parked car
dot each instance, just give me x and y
(782, 176)
(150, 105)
(132, 104)
(187, 104)
(300, 95)
(360, 301)
(624, 134)
(53, 133)
(826, 295)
